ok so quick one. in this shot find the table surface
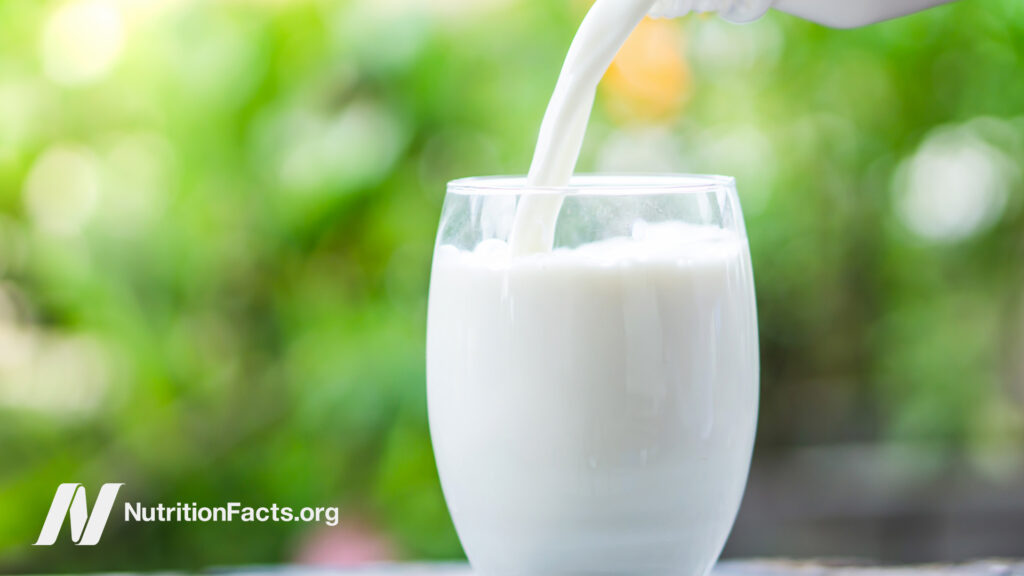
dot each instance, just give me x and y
(725, 568)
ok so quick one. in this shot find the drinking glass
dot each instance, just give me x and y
(593, 403)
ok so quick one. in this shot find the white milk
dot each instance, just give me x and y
(599, 38)
(593, 410)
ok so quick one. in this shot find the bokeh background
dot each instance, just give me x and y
(216, 225)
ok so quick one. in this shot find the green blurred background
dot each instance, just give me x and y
(216, 225)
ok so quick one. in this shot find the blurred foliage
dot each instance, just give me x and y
(216, 224)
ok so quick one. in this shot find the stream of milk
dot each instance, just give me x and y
(604, 30)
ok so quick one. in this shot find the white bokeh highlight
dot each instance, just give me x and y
(62, 190)
(82, 41)
(954, 187)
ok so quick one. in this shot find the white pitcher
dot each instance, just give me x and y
(833, 13)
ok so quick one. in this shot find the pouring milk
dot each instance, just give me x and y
(593, 406)
(599, 38)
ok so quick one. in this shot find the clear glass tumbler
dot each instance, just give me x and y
(593, 406)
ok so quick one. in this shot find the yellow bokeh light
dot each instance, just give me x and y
(650, 78)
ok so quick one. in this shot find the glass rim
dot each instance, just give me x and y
(598, 184)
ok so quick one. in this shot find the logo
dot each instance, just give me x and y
(70, 501)
(86, 527)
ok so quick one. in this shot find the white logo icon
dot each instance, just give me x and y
(69, 501)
